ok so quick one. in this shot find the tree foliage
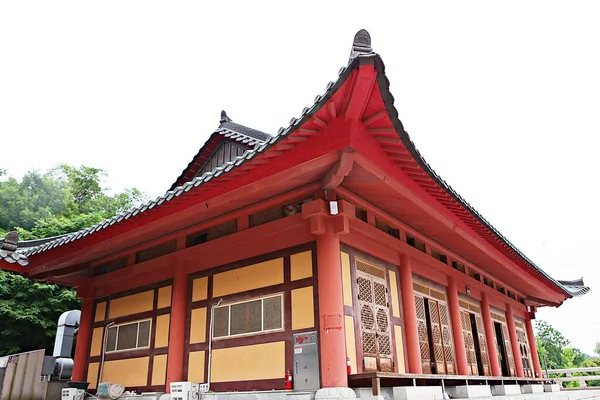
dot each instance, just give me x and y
(556, 352)
(62, 200)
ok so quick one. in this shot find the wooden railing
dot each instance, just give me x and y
(551, 373)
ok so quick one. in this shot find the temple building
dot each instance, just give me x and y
(333, 233)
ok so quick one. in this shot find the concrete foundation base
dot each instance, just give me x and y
(418, 393)
(503, 390)
(367, 394)
(337, 393)
(555, 387)
(468, 391)
(535, 388)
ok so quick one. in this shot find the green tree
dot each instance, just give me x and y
(597, 348)
(550, 344)
(62, 200)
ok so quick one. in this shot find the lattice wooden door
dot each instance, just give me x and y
(423, 334)
(524, 349)
(482, 345)
(465, 319)
(374, 314)
(509, 354)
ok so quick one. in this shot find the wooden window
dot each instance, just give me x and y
(156, 251)
(500, 289)
(511, 295)
(439, 256)
(213, 233)
(128, 336)
(416, 243)
(473, 274)
(110, 266)
(458, 266)
(361, 214)
(488, 282)
(249, 317)
(520, 300)
(383, 226)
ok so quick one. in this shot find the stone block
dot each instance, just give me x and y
(555, 387)
(336, 393)
(418, 393)
(532, 388)
(367, 394)
(469, 391)
(505, 390)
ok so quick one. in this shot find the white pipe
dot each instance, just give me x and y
(210, 338)
(104, 350)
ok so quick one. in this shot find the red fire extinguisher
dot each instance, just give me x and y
(348, 367)
(289, 381)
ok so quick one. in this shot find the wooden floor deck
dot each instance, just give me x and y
(388, 379)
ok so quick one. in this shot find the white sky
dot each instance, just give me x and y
(501, 98)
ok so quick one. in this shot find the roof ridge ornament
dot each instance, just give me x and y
(10, 241)
(361, 45)
(224, 117)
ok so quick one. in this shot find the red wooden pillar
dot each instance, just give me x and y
(490, 338)
(413, 349)
(462, 365)
(83, 340)
(514, 342)
(331, 310)
(533, 348)
(177, 327)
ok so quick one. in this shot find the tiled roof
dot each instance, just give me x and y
(230, 130)
(361, 51)
(576, 287)
(8, 250)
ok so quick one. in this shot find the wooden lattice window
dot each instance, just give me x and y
(416, 243)
(488, 282)
(439, 256)
(385, 227)
(248, 317)
(458, 266)
(266, 216)
(225, 229)
(113, 265)
(511, 295)
(474, 274)
(500, 289)
(361, 214)
(156, 251)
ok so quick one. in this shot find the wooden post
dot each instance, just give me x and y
(490, 338)
(177, 327)
(535, 359)
(413, 348)
(514, 342)
(457, 332)
(83, 339)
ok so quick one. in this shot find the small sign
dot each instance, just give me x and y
(298, 350)
(203, 388)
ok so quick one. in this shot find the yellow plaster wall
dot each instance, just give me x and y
(394, 291)
(301, 265)
(100, 312)
(247, 278)
(161, 338)
(399, 349)
(200, 289)
(159, 370)
(346, 279)
(129, 372)
(92, 375)
(259, 361)
(164, 297)
(198, 326)
(96, 345)
(133, 304)
(196, 366)
(350, 342)
(303, 308)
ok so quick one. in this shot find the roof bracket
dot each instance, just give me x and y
(340, 170)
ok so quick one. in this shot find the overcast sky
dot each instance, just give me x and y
(502, 99)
